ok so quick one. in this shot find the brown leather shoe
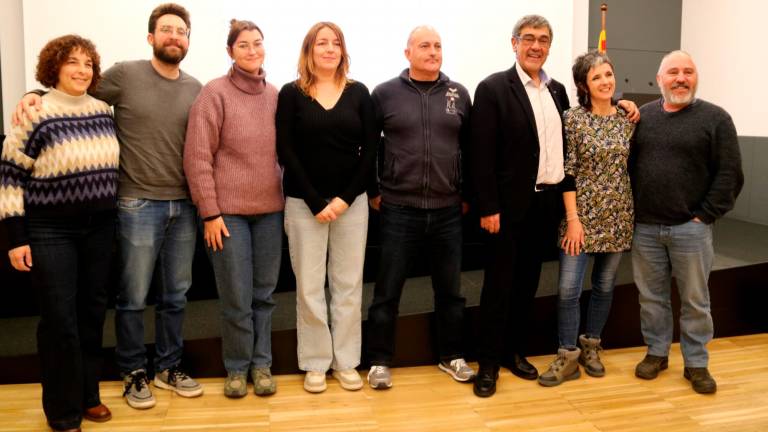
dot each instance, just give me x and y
(99, 414)
(700, 379)
(650, 367)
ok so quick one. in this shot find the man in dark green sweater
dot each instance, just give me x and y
(686, 173)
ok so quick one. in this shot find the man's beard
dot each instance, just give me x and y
(674, 99)
(166, 57)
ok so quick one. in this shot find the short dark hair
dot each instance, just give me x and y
(168, 9)
(534, 21)
(57, 51)
(238, 26)
(581, 68)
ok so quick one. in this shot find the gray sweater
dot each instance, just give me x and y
(423, 137)
(684, 164)
(151, 115)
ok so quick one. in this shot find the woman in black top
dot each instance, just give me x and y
(326, 140)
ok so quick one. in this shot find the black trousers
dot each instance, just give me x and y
(512, 269)
(71, 259)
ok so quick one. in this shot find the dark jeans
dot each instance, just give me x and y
(512, 270)
(404, 232)
(71, 259)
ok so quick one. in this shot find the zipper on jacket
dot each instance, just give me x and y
(427, 141)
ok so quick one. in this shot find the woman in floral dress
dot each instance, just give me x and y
(599, 215)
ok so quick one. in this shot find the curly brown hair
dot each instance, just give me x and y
(57, 51)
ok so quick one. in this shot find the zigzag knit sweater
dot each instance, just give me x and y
(62, 164)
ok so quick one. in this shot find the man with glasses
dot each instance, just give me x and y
(156, 220)
(517, 165)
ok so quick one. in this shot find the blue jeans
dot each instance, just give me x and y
(572, 270)
(660, 252)
(150, 233)
(405, 233)
(72, 257)
(246, 272)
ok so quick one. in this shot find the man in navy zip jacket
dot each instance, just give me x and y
(424, 119)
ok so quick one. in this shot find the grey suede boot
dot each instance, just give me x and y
(590, 357)
(565, 367)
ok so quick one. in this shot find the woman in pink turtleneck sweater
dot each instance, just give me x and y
(235, 182)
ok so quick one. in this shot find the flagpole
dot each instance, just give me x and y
(601, 44)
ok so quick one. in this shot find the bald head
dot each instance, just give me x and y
(675, 55)
(677, 79)
(424, 53)
(420, 32)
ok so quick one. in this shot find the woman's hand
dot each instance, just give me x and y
(326, 215)
(573, 240)
(214, 229)
(21, 258)
(339, 206)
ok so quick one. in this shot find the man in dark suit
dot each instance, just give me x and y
(517, 163)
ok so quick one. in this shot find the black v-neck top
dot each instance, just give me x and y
(326, 153)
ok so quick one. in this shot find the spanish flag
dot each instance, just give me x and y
(601, 43)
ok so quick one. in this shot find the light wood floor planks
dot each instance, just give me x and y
(424, 399)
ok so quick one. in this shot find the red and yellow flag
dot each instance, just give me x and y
(601, 42)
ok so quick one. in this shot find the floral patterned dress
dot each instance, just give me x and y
(596, 157)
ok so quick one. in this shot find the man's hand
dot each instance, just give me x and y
(633, 113)
(21, 258)
(29, 104)
(375, 202)
(491, 223)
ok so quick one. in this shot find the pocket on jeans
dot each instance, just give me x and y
(131, 203)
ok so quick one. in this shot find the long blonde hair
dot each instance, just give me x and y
(306, 68)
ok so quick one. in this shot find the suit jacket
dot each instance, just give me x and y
(504, 155)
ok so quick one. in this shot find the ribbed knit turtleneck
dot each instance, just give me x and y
(67, 100)
(246, 81)
(229, 155)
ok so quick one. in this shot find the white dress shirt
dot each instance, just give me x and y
(549, 127)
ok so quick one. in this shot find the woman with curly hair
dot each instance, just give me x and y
(326, 138)
(58, 195)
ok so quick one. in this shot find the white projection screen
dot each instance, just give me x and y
(476, 34)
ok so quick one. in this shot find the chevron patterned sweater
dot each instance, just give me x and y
(62, 164)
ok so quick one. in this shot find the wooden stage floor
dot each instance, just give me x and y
(424, 399)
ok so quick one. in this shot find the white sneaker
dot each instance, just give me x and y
(314, 382)
(349, 379)
(458, 369)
